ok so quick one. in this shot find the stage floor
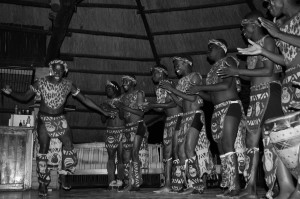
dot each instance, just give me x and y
(104, 194)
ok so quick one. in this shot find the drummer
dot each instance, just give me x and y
(264, 96)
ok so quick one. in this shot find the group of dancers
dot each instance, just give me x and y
(273, 46)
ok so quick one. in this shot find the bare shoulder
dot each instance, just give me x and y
(269, 43)
(196, 78)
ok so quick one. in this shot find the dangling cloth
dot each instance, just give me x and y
(196, 120)
(129, 133)
(259, 99)
(113, 137)
(169, 129)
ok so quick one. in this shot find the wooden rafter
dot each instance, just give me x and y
(86, 5)
(195, 30)
(197, 7)
(201, 52)
(60, 27)
(148, 31)
(110, 34)
(70, 56)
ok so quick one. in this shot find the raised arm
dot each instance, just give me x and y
(275, 32)
(195, 80)
(256, 49)
(140, 101)
(88, 102)
(23, 97)
(265, 71)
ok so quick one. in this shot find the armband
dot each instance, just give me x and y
(76, 93)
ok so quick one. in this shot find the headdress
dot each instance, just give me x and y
(218, 43)
(250, 21)
(109, 83)
(190, 62)
(57, 61)
(129, 78)
(159, 68)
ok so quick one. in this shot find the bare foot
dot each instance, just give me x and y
(163, 190)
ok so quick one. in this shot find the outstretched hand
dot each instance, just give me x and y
(254, 49)
(270, 26)
(165, 85)
(7, 90)
(227, 72)
(111, 114)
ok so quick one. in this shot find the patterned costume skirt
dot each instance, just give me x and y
(170, 127)
(55, 126)
(281, 140)
(219, 114)
(259, 99)
(113, 137)
(202, 148)
(289, 92)
(129, 133)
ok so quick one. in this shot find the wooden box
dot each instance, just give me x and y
(15, 158)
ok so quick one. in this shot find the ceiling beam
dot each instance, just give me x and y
(20, 28)
(148, 31)
(110, 34)
(196, 7)
(86, 5)
(195, 30)
(70, 56)
(201, 52)
(59, 28)
(13, 27)
(106, 5)
(27, 3)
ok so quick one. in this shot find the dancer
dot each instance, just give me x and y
(227, 127)
(135, 133)
(288, 40)
(166, 103)
(115, 128)
(52, 123)
(193, 145)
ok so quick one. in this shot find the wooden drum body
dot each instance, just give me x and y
(284, 134)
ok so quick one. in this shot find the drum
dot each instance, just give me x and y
(284, 134)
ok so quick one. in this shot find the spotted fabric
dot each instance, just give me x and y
(212, 76)
(54, 95)
(290, 51)
(113, 137)
(130, 100)
(252, 60)
(185, 83)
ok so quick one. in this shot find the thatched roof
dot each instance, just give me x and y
(108, 38)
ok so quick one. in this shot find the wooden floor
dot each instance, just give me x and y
(104, 194)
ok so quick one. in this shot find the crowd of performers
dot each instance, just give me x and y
(272, 54)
